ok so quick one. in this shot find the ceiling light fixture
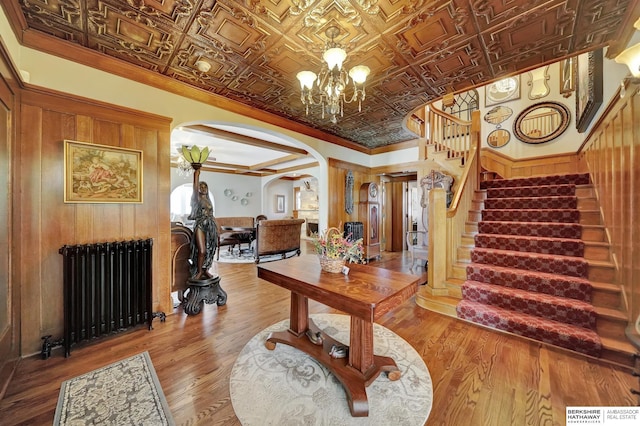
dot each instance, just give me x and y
(332, 80)
(203, 66)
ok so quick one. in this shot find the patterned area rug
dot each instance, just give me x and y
(126, 392)
(277, 387)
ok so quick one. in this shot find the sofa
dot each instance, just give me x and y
(277, 237)
(231, 238)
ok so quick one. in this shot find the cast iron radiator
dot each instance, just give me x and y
(107, 289)
(354, 230)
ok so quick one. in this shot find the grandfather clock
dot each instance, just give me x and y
(369, 215)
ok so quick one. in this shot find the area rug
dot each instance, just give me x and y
(126, 392)
(285, 386)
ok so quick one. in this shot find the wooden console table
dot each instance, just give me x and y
(365, 294)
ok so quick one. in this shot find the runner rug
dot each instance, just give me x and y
(126, 392)
(277, 387)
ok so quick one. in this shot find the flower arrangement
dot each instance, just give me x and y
(333, 244)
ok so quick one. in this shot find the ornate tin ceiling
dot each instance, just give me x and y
(417, 50)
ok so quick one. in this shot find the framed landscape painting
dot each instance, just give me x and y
(101, 174)
(588, 88)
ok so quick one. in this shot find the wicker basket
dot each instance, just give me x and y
(331, 265)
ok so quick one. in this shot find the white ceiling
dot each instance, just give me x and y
(241, 151)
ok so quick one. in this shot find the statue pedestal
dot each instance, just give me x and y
(203, 291)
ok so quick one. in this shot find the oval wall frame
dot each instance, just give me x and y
(541, 122)
(498, 138)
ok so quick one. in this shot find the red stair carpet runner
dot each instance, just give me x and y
(528, 275)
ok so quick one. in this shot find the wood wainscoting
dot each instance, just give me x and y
(45, 222)
(611, 153)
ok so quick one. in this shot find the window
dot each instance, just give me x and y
(181, 203)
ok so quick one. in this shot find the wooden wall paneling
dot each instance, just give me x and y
(130, 140)
(618, 186)
(511, 168)
(634, 159)
(337, 173)
(107, 217)
(56, 223)
(162, 263)
(46, 222)
(628, 168)
(83, 212)
(611, 153)
(9, 290)
(397, 216)
(29, 154)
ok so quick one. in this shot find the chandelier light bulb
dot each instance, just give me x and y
(306, 79)
(334, 57)
(359, 73)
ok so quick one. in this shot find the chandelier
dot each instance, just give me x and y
(332, 80)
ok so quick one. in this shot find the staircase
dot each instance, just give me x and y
(539, 266)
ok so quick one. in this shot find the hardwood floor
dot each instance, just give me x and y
(480, 377)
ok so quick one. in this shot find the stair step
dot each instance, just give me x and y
(590, 217)
(533, 215)
(556, 202)
(618, 351)
(585, 191)
(531, 229)
(588, 203)
(555, 333)
(531, 191)
(564, 265)
(601, 271)
(594, 233)
(606, 295)
(571, 178)
(551, 284)
(594, 250)
(611, 323)
(559, 246)
(568, 311)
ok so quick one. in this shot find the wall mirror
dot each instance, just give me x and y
(541, 122)
(498, 138)
(538, 86)
(498, 114)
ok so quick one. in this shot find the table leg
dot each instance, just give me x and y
(361, 345)
(298, 314)
(355, 373)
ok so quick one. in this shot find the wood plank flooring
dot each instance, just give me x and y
(480, 377)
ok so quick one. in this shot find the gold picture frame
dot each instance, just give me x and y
(101, 174)
(567, 75)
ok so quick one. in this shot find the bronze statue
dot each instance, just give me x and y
(205, 232)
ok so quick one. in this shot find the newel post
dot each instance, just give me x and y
(437, 272)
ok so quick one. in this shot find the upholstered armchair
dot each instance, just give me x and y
(418, 246)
